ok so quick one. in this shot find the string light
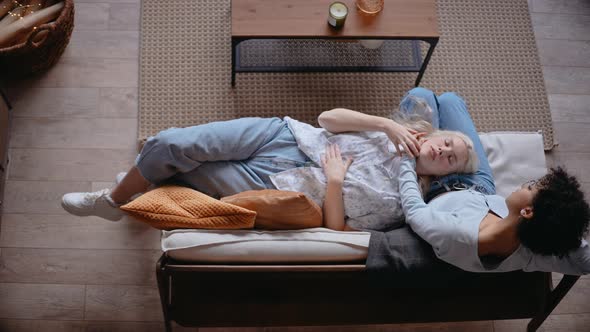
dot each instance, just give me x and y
(20, 5)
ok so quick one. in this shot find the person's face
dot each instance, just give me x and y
(441, 155)
(521, 200)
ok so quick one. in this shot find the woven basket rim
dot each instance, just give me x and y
(51, 26)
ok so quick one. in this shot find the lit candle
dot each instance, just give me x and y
(338, 12)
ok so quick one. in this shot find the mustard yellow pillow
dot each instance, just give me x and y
(279, 209)
(172, 207)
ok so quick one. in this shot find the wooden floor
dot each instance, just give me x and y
(75, 128)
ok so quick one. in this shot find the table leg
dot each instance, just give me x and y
(432, 43)
(3, 96)
(566, 283)
(234, 44)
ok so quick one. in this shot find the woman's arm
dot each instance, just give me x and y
(434, 227)
(340, 120)
(335, 170)
(334, 207)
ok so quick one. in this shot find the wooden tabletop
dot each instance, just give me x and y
(308, 18)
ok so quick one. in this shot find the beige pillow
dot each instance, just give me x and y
(172, 207)
(279, 209)
(515, 158)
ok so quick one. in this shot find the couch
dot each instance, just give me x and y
(410, 285)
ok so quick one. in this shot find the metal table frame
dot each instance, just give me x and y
(235, 41)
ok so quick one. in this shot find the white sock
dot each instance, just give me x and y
(111, 201)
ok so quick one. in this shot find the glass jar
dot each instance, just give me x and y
(370, 7)
(337, 14)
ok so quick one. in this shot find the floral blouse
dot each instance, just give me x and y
(370, 190)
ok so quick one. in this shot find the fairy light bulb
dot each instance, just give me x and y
(19, 5)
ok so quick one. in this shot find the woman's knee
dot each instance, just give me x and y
(421, 102)
(409, 100)
(159, 147)
(168, 137)
(421, 92)
(450, 100)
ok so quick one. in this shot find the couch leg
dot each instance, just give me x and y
(164, 288)
(566, 283)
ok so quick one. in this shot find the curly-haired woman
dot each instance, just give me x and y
(539, 227)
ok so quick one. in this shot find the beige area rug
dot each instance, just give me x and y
(487, 54)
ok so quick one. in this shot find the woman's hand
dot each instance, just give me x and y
(334, 167)
(407, 138)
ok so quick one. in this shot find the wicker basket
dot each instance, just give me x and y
(32, 57)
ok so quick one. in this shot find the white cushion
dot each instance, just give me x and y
(253, 246)
(514, 158)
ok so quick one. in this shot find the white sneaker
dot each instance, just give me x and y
(97, 203)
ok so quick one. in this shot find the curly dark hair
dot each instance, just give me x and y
(560, 216)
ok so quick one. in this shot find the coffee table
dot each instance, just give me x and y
(296, 20)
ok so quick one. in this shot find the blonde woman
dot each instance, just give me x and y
(445, 160)
(224, 158)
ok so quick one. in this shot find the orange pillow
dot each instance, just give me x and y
(278, 209)
(171, 207)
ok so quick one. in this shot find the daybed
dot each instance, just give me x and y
(393, 277)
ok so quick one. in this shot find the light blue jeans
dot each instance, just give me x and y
(450, 113)
(221, 158)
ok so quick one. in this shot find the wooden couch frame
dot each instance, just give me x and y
(205, 295)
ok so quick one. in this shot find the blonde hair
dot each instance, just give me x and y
(472, 163)
(419, 118)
